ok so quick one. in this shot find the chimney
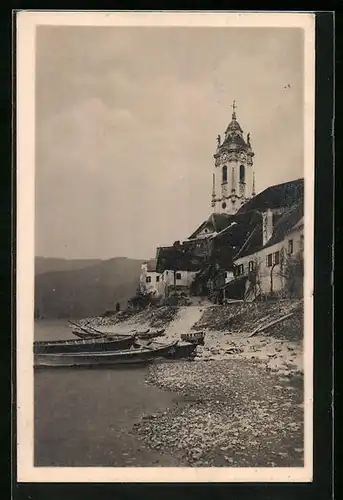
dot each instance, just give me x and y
(267, 226)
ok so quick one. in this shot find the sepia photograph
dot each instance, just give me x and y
(165, 246)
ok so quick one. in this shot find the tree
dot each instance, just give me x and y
(292, 271)
(143, 299)
(253, 289)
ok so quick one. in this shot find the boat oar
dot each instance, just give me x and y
(80, 327)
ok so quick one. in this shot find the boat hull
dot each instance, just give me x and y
(77, 346)
(150, 335)
(92, 359)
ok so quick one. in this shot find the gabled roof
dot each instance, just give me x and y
(283, 224)
(278, 196)
(286, 223)
(217, 222)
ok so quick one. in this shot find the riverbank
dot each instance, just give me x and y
(234, 413)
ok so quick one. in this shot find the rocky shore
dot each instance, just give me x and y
(230, 413)
(240, 402)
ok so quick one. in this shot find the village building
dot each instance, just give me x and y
(271, 261)
(178, 267)
(245, 247)
(150, 280)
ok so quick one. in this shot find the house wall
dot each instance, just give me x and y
(150, 281)
(271, 277)
(186, 278)
(229, 276)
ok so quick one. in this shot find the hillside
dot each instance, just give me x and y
(85, 291)
(48, 264)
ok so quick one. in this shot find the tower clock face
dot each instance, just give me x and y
(243, 156)
(223, 157)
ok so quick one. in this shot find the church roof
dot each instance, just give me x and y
(278, 196)
(234, 135)
(217, 222)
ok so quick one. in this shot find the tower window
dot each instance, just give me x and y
(178, 276)
(225, 173)
(242, 173)
(224, 205)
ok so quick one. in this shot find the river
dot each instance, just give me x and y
(84, 417)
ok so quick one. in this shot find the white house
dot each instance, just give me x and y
(271, 261)
(150, 280)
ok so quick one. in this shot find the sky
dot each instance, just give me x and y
(126, 127)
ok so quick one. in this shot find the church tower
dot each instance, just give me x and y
(233, 177)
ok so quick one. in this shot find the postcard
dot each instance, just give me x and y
(165, 213)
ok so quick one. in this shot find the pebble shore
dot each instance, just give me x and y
(230, 413)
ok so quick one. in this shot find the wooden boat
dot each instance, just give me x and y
(194, 337)
(179, 351)
(76, 346)
(86, 336)
(150, 335)
(89, 332)
(97, 359)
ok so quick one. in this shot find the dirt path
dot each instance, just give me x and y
(186, 318)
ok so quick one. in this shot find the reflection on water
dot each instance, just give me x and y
(84, 417)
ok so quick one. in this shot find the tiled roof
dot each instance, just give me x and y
(177, 258)
(278, 196)
(286, 223)
(217, 222)
(282, 225)
(151, 265)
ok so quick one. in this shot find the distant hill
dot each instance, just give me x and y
(47, 264)
(80, 288)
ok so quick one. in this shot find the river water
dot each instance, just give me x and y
(84, 417)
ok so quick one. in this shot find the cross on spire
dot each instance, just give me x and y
(234, 107)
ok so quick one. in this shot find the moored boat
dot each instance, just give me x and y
(94, 359)
(150, 335)
(76, 346)
(179, 351)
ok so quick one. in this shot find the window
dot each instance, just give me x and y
(178, 276)
(157, 279)
(242, 174)
(290, 246)
(239, 270)
(225, 275)
(302, 242)
(270, 260)
(148, 279)
(277, 258)
(224, 205)
(251, 265)
(225, 173)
